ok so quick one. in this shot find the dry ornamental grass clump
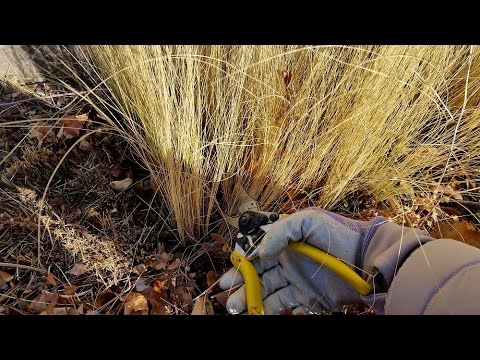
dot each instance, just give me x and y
(363, 130)
(316, 123)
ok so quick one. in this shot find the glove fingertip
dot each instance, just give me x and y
(280, 233)
(231, 278)
(233, 307)
(237, 302)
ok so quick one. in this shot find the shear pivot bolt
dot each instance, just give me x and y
(244, 219)
(274, 217)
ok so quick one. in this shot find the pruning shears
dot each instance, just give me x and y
(252, 224)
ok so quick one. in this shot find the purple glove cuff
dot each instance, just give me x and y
(365, 228)
(374, 224)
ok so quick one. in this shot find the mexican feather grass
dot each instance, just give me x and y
(319, 122)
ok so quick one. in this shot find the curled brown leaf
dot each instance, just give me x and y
(71, 127)
(159, 305)
(139, 269)
(117, 170)
(182, 297)
(463, 231)
(78, 269)
(39, 304)
(161, 261)
(175, 264)
(121, 185)
(211, 278)
(202, 306)
(103, 298)
(220, 239)
(70, 290)
(53, 302)
(222, 297)
(51, 279)
(6, 276)
(135, 303)
(159, 285)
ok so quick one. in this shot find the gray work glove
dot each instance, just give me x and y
(292, 280)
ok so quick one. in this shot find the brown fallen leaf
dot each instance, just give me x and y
(139, 269)
(463, 231)
(174, 264)
(78, 269)
(93, 213)
(57, 311)
(103, 298)
(447, 190)
(40, 130)
(60, 311)
(5, 276)
(27, 291)
(131, 172)
(219, 238)
(70, 290)
(159, 305)
(51, 279)
(183, 297)
(135, 303)
(202, 306)
(161, 261)
(121, 185)
(85, 145)
(53, 302)
(80, 309)
(3, 286)
(211, 278)
(138, 186)
(73, 311)
(39, 304)
(159, 285)
(147, 292)
(43, 127)
(82, 117)
(288, 208)
(117, 170)
(222, 297)
(70, 128)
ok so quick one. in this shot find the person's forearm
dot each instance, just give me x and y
(415, 275)
(388, 249)
(385, 254)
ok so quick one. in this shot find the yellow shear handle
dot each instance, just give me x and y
(253, 288)
(337, 266)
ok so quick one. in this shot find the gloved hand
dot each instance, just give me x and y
(291, 280)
